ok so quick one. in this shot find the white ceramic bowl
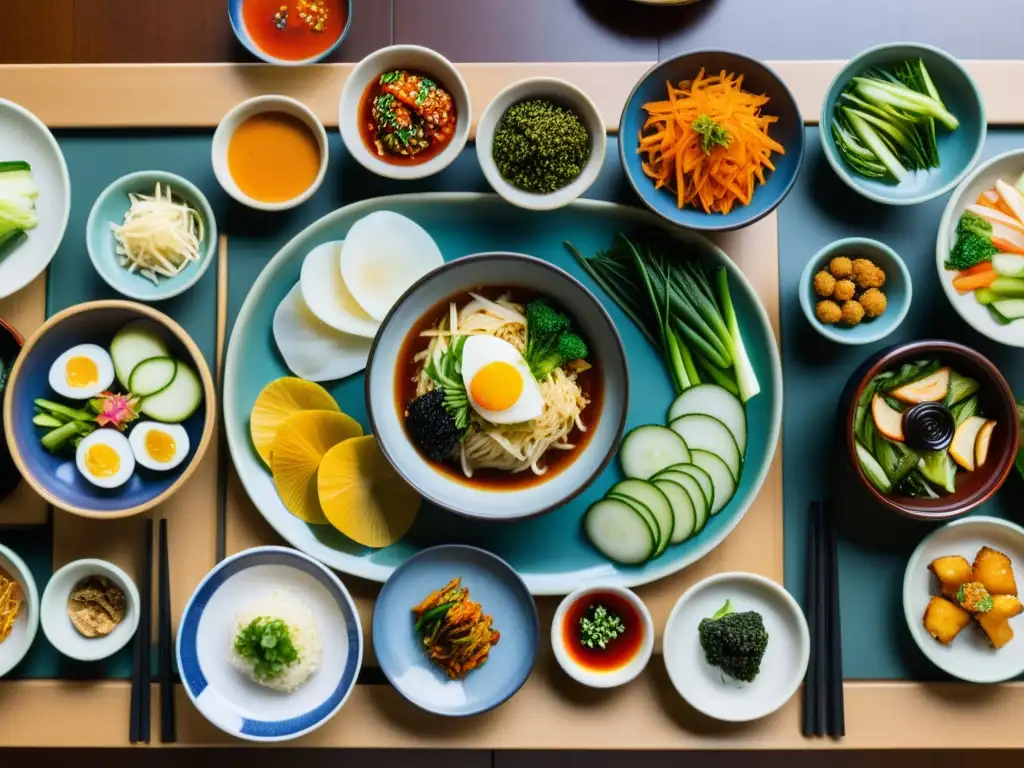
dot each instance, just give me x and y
(590, 677)
(969, 657)
(54, 611)
(257, 105)
(785, 661)
(1007, 166)
(14, 648)
(23, 136)
(416, 59)
(564, 94)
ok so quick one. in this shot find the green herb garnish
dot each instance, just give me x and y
(540, 147)
(390, 77)
(600, 628)
(426, 86)
(711, 134)
(266, 642)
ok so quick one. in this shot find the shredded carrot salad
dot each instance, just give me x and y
(708, 142)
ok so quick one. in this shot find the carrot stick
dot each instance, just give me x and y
(977, 269)
(1006, 246)
(974, 282)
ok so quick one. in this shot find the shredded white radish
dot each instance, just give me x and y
(159, 237)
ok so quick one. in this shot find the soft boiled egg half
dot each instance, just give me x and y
(159, 446)
(105, 458)
(498, 381)
(82, 372)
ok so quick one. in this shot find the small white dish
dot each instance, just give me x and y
(23, 136)
(969, 657)
(255, 106)
(600, 678)
(54, 611)
(416, 59)
(703, 686)
(564, 94)
(17, 644)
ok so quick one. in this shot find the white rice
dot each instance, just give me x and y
(301, 622)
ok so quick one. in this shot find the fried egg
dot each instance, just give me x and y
(105, 458)
(82, 372)
(159, 446)
(498, 381)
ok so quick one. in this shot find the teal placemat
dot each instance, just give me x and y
(874, 545)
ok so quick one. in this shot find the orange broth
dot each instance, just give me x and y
(297, 39)
(273, 157)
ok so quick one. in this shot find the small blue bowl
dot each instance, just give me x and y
(111, 206)
(238, 25)
(958, 150)
(897, 289)
(757, 78)
(55, 477)
(501, 593)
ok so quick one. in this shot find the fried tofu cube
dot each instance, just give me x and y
(944, 619)
(951, 571)
(996, 629)
(993, 569)
(1005, 607)
(973, 597)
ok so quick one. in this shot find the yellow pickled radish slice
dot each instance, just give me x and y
(362, 495)
(279, 400)
(301, 443)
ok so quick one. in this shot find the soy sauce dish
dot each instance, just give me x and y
(603, 637)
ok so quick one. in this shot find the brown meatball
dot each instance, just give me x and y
(852, 312)
(874, 302)
(844, 290)
(824, 284)
(828, 312)
(867, 275)
(840, 267)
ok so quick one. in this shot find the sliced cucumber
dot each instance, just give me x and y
(684, 511)
(63, 412)
(47, 420)
(701, 506)
(139, 340)
(651, 497)
(721, 477)
(718, 402)
(152, 376)
(645, 513)
(619, 532)
(703, 480)
(178, 401)
(872, 469)
(1008, 264)
(709, 434)
(1011, 309)
(649, 449)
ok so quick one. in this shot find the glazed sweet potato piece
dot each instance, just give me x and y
(1005, 607)
(993, 569)
(997, 629)
(944, 619)
(951, 571)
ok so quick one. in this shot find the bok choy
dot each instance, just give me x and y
(18, 192)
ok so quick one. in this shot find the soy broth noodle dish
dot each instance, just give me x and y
(499, 388)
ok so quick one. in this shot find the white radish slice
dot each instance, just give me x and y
(313, 350)
(326, 294)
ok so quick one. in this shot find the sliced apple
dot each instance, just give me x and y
(983, 443)
(965, 439)
(888, 420)
(1013, 199)
(996, 216)
(930, 389)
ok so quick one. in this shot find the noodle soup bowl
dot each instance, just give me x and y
(496, 500)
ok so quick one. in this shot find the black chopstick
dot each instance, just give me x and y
(820, 644)
(168, 726)
(811, 722)
(146, 630)
(836, 707)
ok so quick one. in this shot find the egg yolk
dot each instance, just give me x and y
(497, 386)
(160, 446)
(81, 372)
(102, 460)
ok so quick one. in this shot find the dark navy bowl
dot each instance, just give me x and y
(55, 476)
(238, 25)
(10, 347)
(757, 78)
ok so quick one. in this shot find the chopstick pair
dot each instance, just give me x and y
(139, 726)
(824, 710)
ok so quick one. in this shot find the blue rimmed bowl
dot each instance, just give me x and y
(958, 150)
(55, 476)
(757, 78)
(227, 697)
(898, 290)
(111, 206)
(238, 26)
(502, 594)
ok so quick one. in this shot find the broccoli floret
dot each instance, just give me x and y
(972, 223)
(973, 242)
(431, 426)
(549, 339)
(572, 347)
(734, 642)
(543, 320)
